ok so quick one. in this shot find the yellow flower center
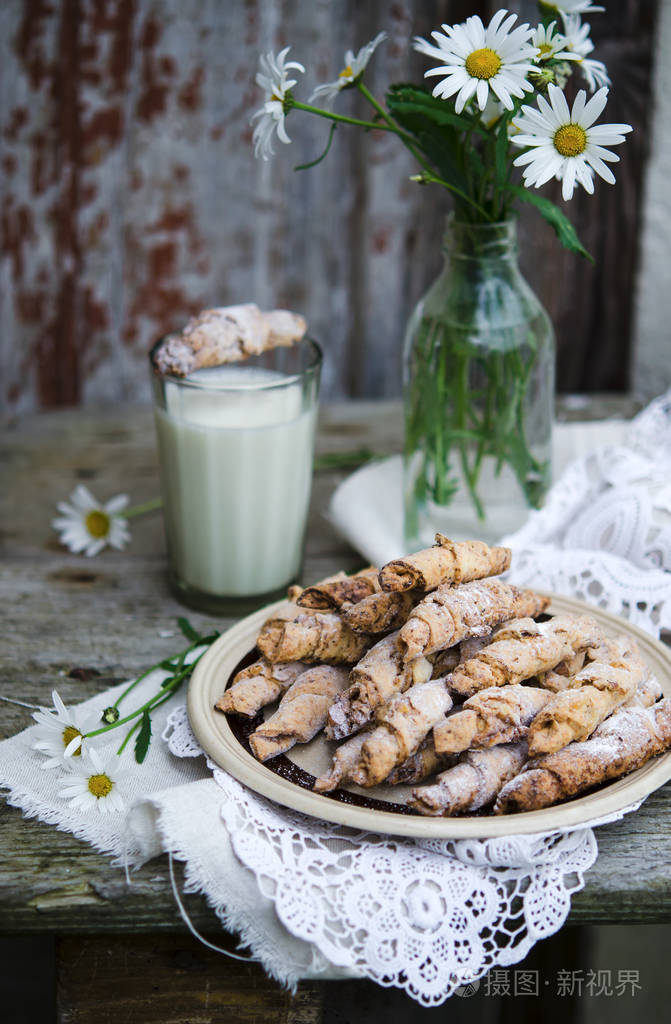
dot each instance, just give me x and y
(483, 63)
(97, 523)
(69, 733)
(544, 49)
(570, 140)
(274, 96)
(346, 72)
(100, 785)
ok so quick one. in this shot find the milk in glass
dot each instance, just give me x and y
(236, 468)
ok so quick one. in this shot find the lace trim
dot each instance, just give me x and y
(426, 916)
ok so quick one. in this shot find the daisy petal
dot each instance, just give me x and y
(578, 106)
(482, 92)
(559, 103)
(594, 107)
(82, 498)
(568, 183)
(605, 154)
(597, 130)
(465, 94)
(601, 168)
(73, 746)
(117, 503)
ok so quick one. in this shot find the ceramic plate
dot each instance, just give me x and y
(288, 778)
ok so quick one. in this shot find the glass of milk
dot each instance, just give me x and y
(235, 447)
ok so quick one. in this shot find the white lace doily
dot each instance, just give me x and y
(604, 533)
(424, 916)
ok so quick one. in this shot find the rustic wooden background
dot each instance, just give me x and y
(129, 195)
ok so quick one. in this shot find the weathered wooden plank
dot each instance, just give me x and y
(156, 981)
(591, 306)
(129, 195)
(653, 298)
(54, 883)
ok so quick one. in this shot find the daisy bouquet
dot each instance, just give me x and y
(499, 117)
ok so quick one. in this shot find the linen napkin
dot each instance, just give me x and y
(367, 508)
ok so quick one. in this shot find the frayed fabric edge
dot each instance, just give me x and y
(119, 848)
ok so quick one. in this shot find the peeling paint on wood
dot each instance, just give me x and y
(79, 894)
(129, 195)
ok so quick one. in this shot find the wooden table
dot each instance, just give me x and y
(83, 624)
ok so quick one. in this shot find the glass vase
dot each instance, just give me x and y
(479, 360)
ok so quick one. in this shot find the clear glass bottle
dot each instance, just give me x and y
(479, 359)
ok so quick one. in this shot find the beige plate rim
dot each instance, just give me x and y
(213, 732)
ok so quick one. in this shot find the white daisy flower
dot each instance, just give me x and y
(479, 59)
(272, 78)
(550, 44)
(59, 733)
(570, 6)
(353, 67)
(86, 525)
(579, 43)
(93, 782)
(567, 144)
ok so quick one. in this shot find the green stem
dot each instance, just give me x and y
(128, 736)
(138, 711)
(486, 430)
(181, 656)
(342, 119)
(388, 126)
(441, 456)
(133, 685)
(376, 104)
(175, 683)
(139, 510)
(158, 700)
(430, 178)
(466, 164)
(470, 475)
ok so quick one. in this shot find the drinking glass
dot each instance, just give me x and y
(235, 446)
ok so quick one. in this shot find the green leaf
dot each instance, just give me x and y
(439, 146)
(313, 163)
(408, 100)
(443, 118)
(439, 140)
(564, 230)
(143, 738)
(187, 629)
